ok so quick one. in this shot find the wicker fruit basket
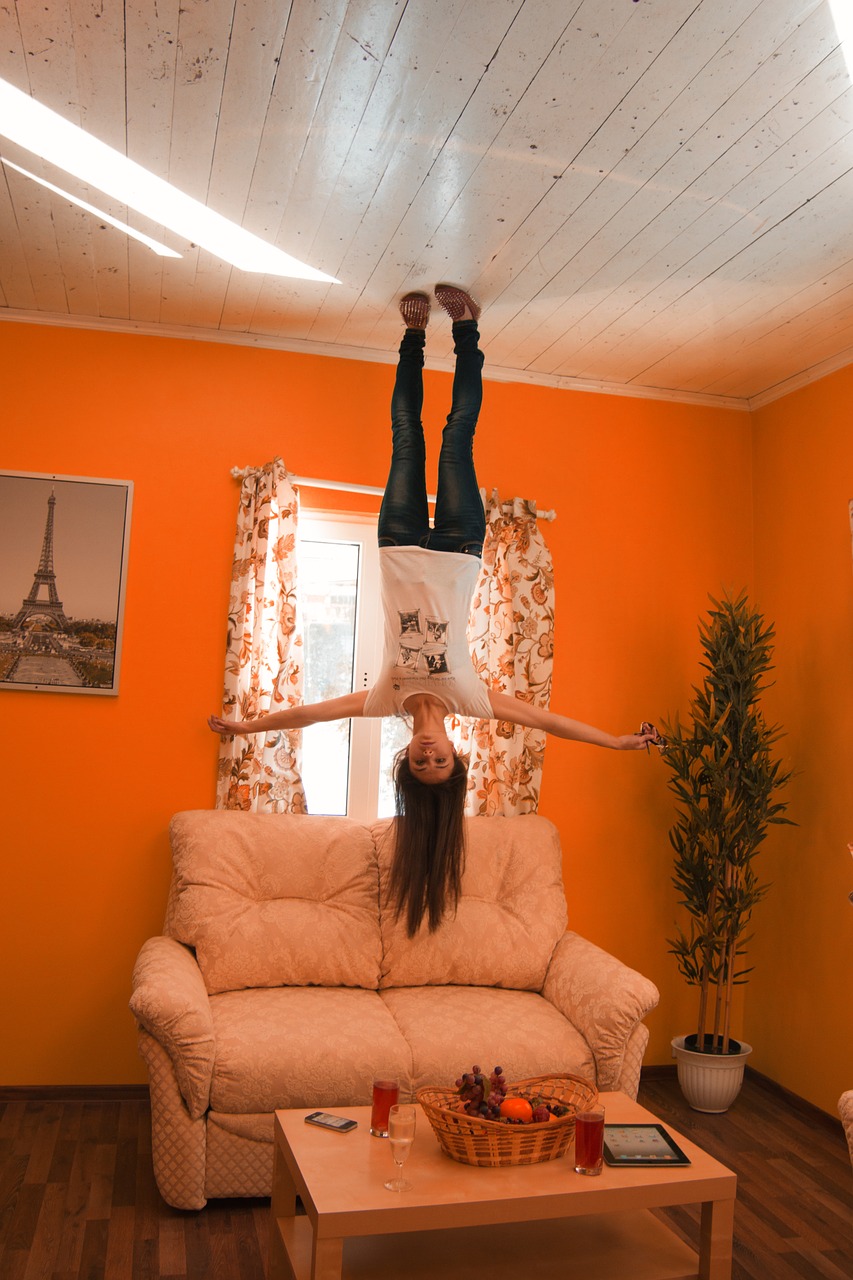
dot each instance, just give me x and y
(491, 1144)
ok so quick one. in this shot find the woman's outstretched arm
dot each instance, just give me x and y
(515, 711)
(347, 707)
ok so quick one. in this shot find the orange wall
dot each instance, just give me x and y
(799, 1002)
(654, 504)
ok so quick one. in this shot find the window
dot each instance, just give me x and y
(345, 764)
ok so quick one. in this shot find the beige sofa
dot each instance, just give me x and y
(284, 980)
(845, 1110)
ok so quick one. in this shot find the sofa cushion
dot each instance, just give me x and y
(452, 1029)
(269, 899)
(302, 1047)
(510, 917)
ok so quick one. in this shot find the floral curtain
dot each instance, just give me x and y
(264, 663)
(511, 633)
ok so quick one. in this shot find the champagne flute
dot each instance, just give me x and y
(401, 1135)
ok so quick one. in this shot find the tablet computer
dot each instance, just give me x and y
(635, 1144)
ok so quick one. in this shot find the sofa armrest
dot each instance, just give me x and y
(602, 998)
(171, 1003)
(845, 1110)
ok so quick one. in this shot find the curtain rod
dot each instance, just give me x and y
(308, 482)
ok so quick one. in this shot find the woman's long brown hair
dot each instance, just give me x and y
(429, 844)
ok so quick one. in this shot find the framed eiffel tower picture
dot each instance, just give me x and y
(63, 570)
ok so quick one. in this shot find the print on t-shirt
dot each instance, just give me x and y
(423, 648)
(408, 658)
(436, 632)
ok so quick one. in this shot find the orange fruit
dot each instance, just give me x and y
(516, 1109)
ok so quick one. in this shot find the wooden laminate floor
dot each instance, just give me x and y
(78, 1199)
(794, 1208)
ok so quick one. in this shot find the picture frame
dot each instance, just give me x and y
(64, 544)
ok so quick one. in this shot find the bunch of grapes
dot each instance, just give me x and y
(471, 1087)
(498, 1082)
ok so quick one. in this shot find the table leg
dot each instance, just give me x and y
(327, 1259)
(282, 1205)
(715, 1240)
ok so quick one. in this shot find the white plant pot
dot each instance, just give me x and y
(710, 1082)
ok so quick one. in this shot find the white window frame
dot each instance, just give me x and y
(365, 734)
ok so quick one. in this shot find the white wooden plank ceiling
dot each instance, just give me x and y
(651, 197)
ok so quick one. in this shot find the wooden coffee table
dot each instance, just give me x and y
(460, 1221)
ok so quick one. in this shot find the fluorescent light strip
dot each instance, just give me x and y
(46, 134)
(162, 249)
(842, 16)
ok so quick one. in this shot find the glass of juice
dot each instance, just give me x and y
(589, 1140)
(401, 1134)
(386, 1094)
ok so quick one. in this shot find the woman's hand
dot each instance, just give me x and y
(227, 728)
(631, 742)
(648, 736)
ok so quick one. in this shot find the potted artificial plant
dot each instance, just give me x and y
(725, 780)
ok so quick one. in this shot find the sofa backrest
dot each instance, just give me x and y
(273, 900)
(510, 916)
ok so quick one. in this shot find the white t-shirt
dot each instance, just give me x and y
(426, 599)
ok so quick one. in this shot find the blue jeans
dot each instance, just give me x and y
(460, 523)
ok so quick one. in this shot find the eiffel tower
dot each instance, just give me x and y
(36, 606)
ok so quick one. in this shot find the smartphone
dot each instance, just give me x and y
(326, 1121)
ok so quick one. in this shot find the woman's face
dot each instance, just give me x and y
(431, 757)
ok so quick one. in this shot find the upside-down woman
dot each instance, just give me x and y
(428, 576)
